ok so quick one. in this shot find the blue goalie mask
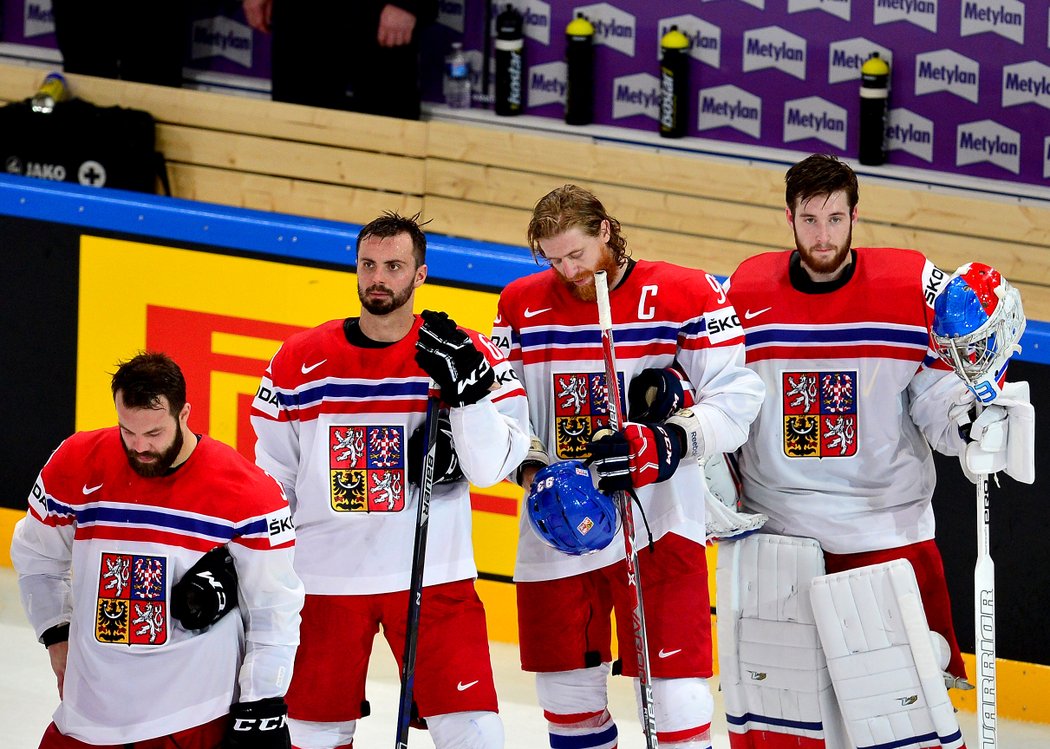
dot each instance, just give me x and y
(568, 513)
(978, 321)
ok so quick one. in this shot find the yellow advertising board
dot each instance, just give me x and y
(222, 317)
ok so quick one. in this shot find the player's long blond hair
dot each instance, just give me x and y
(570, 206)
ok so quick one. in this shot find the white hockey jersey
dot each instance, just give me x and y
(663, 314)
(855, 396)
(333, 421)
(133, 672)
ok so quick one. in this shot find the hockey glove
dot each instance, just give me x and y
(639, 455)
(1002, 437)
(446, 462)
(207, 592)
(450, 358)
(262, 724)
(655, 394)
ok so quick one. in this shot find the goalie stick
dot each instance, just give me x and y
(978, 321)
(634, 588)
(984, 622)
(419, 552)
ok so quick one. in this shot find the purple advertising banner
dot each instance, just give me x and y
(969, 87)
(222, 42)
(27, 22)
(969, 84)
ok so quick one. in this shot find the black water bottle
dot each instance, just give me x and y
(579, 54)
(510, 62)
(874, 102)
(674, 83)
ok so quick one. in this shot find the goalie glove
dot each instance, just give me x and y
(639, 455)
(207, 592)
(446, 462)
(1002, 437)
(655, 394)
(262, 724)
(448, 355)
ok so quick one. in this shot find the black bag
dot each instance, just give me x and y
(82, 143)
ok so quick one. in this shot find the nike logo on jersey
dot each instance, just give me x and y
(668, 653)
(312, 367)
(463, 687)
(529, 313)
(749, 315)
(91, 489)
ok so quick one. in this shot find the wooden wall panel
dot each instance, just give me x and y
(303, 161)
(284, 195)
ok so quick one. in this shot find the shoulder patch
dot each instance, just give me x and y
(723, 325)
(933, 281)
(279, 527)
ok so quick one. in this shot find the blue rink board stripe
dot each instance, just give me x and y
(468, 262)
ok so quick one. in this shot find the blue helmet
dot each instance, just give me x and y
(568, 513)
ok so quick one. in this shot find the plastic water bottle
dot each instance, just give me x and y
(874, 103)
(674, 83)
(457, 78)
(579, 56)
(510, 63)
(53, 90)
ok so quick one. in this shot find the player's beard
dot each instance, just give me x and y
(162, 461)
(827, 263)
(587, 292)
(383, 305)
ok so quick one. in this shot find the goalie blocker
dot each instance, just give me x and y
(799, 650)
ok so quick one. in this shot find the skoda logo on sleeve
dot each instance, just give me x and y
(92, 174)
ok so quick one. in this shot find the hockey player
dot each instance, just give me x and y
(116, 581)
(841, 451)
(335, 416)
(547, 324)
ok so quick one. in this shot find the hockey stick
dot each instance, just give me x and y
(415, 588)
(977, 342)
(984, 621)
(634, 587)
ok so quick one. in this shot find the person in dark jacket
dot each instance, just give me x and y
(361, 56)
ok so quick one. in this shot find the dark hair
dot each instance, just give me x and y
(570, 207)
(390, 224)
(148, 376)
(820, 174)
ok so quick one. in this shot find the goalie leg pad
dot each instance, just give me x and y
(467, 730)
(883, 659)
(775, 682)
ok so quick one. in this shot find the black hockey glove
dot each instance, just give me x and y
(446, 462)
(639, 455)
(655, 394)
(450, 358)
(207, 592)
(262, 724)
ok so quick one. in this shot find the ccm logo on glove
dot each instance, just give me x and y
(262, 724)
(448, 355)
(639, 455)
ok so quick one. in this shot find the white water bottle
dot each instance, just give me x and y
(457, 78)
